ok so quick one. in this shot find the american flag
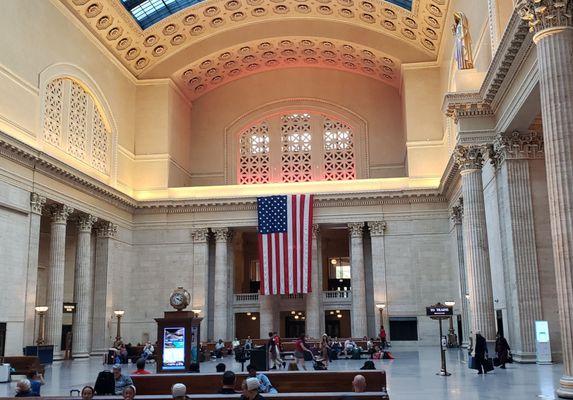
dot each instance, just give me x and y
(285, 240)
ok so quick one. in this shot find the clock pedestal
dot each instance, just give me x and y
(178, 334)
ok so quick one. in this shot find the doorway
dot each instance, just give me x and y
(294, 324)
(499, 320)
(247, 325)
(337, 323)
(2, 338)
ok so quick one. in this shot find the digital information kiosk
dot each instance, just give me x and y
(178, 334)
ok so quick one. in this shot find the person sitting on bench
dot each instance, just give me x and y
(251, 390)
(228, 383)
(359, 384)
(179, 391)
(265, 385)
(349, 346)
(219, 347)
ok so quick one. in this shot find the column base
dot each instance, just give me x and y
(524, 357)
(565, 390)
(80, 355)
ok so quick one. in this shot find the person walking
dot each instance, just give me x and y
(299, 349)
(501, 349)
(382, 337)
(325, 349)
(480, 353)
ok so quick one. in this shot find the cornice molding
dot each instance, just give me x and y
(510, 53)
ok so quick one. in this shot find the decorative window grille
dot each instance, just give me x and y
(338, 151)
(305, 147)
(74, 124)
(296, 165)
(254, 166)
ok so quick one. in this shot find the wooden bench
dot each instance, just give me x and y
(279, 396)
(284, 382)
(23, 364)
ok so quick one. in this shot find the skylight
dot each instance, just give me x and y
(148, 12)
(407, 4)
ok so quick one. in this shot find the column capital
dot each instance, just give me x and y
(60, 213)
(106, 229)
(469, 157)
(518, 146)
(377, 228)
(86, 222)
(315, 230)
(545, 14)
(457, 214)
(222, 234)
(37, 203)
(355, 229)
(200, 235)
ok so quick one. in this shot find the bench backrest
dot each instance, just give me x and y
(284, 382)
(279, 396)
(24, 364)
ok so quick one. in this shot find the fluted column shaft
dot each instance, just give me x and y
(102, 338)
(36, 206)
(201, 277)
(55, 297)
(555, 58)
(358, 328)
(476, 253)
(457, 218)
(377, 229)
(83, 289)
(221, 284)
(313, 298)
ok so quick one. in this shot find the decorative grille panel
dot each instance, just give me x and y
(74, 124)
(296, 165)
(53, 111)
(254, 163)
(338, 151)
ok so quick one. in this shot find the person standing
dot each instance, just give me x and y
(325, 349)
(272, 349)
(480, 352)
(502, 349)
(277, 340)
(382, 337)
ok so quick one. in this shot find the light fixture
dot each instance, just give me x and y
(450, 303)
(332, 313)
(303, 318)
(119, 313)
(339, 315)
(467, 296)
(249, 314)
(196, 312)
(41, 309)
(254, 318)
(381, 306)
(296, 317)
(293, 312)
(299, 313)
(338, 311)
(340, 280)
(333, 261)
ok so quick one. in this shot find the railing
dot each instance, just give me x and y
(246, 297)
(291, 296)
(336, 295)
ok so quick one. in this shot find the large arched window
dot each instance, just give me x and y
(74, 124)
(296, 147)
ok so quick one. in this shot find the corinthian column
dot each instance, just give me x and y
(222, 236)
(377, 229)
(83, 289)
(103, 293)
(55, 298)
(201, 277)
(457, 215)
(313, 298)
(36, 206)
(470, 162)
(551, 21)
(512, 152)
(357, 282)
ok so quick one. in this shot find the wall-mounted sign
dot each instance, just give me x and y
(439, 310)
(70, 308)
(542, 343)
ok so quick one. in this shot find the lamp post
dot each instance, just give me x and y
(118, 314)
(440, 311)
(41, 310)
(452, 339)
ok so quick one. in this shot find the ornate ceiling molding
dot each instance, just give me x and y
(253, 57)
(139, 50)
(510, 53)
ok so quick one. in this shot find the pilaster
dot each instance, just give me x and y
(380, 293)
(220, 329)
(199, 293)
(457, 219)
(313, 298)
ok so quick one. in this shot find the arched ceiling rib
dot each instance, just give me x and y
(246, 59)
(140, 50)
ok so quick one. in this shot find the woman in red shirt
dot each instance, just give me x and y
(299, 349)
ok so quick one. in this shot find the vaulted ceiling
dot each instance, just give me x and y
(202, 44)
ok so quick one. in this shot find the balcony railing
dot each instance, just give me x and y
(246, 297)
(291, 296)
(337, 295)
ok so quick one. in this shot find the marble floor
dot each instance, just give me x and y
(410, 376)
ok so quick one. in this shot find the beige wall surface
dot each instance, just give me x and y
(376, 103)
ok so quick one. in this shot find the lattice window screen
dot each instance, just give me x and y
(74, 124)
(338, 151)
(296, 164)
(254, 163)
(334, 151)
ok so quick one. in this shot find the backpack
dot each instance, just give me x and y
(105, 383)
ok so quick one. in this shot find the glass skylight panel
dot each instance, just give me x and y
(407, 4)
(149, 12)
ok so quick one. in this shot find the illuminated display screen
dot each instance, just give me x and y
(174, 348)
(542, 331)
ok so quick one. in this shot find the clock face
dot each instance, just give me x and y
(179, 299)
